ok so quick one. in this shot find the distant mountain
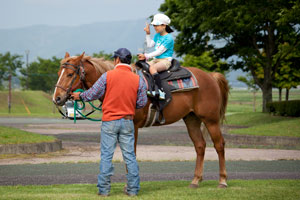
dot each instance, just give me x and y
(232, 78)
(47, 41)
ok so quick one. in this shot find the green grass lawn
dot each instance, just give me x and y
(38, 104)
(16, 136)
(240, 113)
(242, 100)
(238, 189)
(264, 124)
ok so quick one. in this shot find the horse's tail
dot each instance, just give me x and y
(224, 88)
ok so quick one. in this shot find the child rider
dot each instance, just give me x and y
(163, 44)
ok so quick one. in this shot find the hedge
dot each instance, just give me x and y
(285, 108)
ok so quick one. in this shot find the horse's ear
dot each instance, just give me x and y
(67, 55)
(80, 57)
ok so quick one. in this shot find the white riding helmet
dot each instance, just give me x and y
(160, 19)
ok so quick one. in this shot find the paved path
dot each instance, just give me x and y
(67, 173)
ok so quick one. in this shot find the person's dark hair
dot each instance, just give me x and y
(168, 29)
(126, 60)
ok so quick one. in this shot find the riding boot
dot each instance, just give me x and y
(162, 94)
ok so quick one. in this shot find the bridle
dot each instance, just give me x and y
(79, 71)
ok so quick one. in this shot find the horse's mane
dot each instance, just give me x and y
(101, 65)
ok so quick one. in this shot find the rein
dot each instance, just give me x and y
(77, 109)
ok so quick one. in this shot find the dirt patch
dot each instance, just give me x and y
(76, 152)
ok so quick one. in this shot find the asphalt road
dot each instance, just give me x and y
(68, 173)
(87, 131)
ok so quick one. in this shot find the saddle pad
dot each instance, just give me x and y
(185, 84)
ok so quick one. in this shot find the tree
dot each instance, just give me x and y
(101, 54)
(249, 29)
(288, 75)
(108, 56)
(205, 61)
(9, 64)
(41, 74)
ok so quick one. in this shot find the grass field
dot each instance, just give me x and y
(28, 103)
(242, 100)
(32, 104)
(238, 189)
(16, 136)
(240, 112)
(264, 124)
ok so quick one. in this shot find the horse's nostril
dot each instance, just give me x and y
(57, 99)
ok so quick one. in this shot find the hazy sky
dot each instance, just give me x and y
(20, 13)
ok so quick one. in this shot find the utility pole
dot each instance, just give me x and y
(9, 93)
(27, 56)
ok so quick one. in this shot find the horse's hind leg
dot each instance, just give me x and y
(219, 144)
(193, 124)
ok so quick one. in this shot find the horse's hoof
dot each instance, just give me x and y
(223, 185)
(194, 186)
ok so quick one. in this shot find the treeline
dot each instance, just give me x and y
(42, 73)
(38, 75)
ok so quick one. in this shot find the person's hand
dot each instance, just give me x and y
(75, 95)
(147, 29)
(141, 56)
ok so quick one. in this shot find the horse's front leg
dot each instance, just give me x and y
(136, 132)
(193, 124)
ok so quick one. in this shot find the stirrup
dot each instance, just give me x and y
(151, 93)
(162, 95)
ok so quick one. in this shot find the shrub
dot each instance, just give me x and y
(285, 108)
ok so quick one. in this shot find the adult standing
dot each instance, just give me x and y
(124, 92)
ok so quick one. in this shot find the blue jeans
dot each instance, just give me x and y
(121, 131)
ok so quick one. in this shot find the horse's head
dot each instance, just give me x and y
(70, 74)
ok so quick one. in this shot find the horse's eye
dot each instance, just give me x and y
(70, 75)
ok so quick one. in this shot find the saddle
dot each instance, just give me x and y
(175, 72)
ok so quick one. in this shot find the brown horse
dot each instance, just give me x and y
(205, 104)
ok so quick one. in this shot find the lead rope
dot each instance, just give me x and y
(77, 109)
